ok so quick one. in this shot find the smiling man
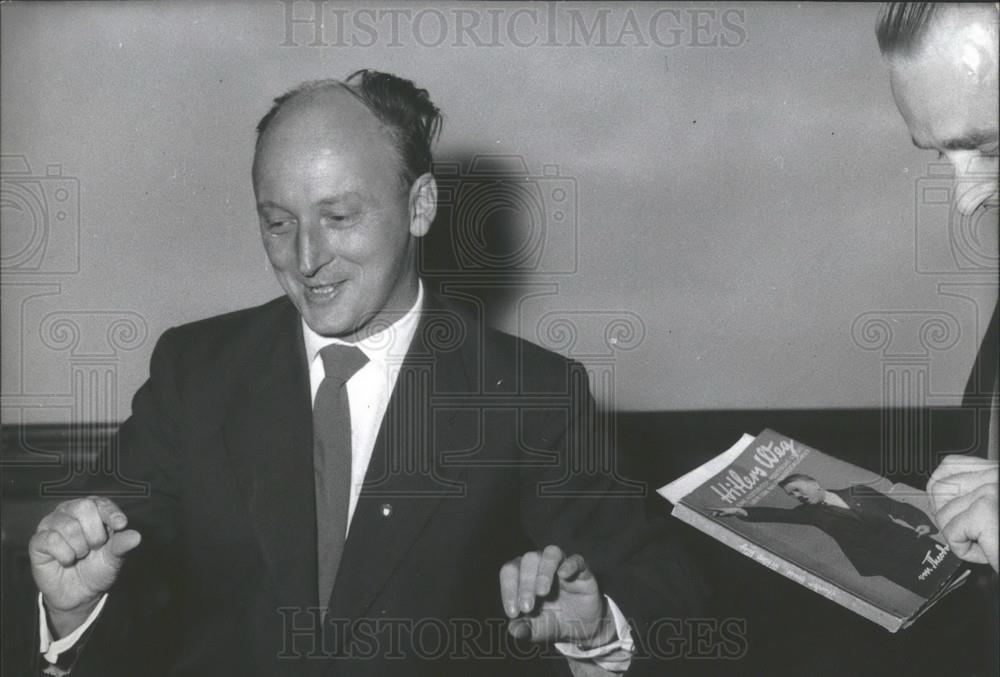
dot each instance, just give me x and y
(336, 486)
(943, 66)
(339, 217)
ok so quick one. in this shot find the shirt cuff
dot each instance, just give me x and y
(615, 656)
(51, 648)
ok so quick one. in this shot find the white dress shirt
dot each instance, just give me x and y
(369, 389)
(368, 393)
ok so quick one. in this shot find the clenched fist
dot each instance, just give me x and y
(76, 554)
(963, 494)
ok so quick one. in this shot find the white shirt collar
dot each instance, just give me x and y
(387, 346)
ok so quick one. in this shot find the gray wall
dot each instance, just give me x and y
(748, 205)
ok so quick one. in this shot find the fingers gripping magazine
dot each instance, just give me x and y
(842, 531)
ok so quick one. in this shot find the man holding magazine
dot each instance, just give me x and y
(943, 70)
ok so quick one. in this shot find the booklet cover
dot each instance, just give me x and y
(842, 531)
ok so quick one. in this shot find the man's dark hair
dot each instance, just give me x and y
(901, 26)
(795, 477)
(406, 110)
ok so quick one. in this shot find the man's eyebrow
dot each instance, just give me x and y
(327, 201)
(267, 204)
(340, 197)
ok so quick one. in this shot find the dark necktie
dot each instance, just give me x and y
(332, 460)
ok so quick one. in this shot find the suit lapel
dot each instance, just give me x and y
(268, 436)
(406, 480)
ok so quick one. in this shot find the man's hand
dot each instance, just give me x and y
(76, 554)
(963, 495)
(553, 598)
(729, 512)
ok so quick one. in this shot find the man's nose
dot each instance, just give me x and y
(312, 248)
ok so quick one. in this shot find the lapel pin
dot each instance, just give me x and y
(386, 509)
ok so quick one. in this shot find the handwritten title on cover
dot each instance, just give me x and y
(770, 460)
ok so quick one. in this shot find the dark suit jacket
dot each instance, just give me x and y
(489, 448)
(871, 540)
(980, 397)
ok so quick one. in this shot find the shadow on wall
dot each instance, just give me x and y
(497, 223)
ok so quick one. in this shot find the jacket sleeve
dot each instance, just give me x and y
(892, 508)
(133, 634)
(580, 501)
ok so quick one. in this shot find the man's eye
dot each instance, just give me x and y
(279, 225)
(338, 219)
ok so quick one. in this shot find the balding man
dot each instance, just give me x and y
(337, 486)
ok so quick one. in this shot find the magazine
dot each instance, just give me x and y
(844, 532)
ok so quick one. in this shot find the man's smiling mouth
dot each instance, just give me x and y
(321, 292)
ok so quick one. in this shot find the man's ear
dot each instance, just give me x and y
(423, 204)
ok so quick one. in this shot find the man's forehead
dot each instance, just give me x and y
(330, 111)
(958, 41)
(941, 103)
(323, 127)
(328, 117)
(956, 26)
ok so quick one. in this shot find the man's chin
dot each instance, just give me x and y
(325, 322)
(330, 329)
